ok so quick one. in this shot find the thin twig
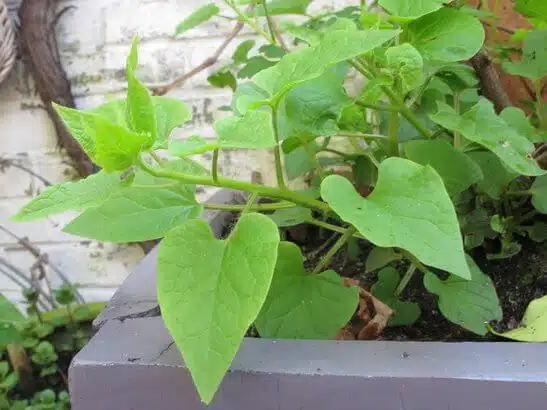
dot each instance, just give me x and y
(42, 257)
(208, 62)
(498, 27)
(4, 162)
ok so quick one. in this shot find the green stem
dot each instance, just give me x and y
(250, 203)
(270, 23)
(247, 20)
(349, 134)
(457, 107)
(373, 159)
(263, 191)
(393, 134)
(214, 167)
(334, 151)
(378, 107)
(333, 228)
(405, 281)
(277, 151)
(157, 158)
(312, 155)
(325, 260)
(255, 208)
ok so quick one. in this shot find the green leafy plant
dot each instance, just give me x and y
(414, 162)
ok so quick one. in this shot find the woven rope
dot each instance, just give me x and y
(7, 42)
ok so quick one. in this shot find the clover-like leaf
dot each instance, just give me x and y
(470, 304)
(411, 8)
(380, 257)
(533, 327)
(303, 306)
(287, 217)
(539, 194)
(457, 170)
(71, 196)
(210, 291)
(482, 125)
(200, 16)
(406, 313)
(252, 131)
(447, 35)
(340, 43)
(534, 55)
(409, 209)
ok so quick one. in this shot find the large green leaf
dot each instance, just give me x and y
(409, 209)
(201, 15)
(536, 9)
(141, 115)
(406, 313)
(253, 131)
(303, 306)
(539, 190)
(71, 196)
(534, 54)
(340, 43)
(411, 8)
(482, 125)
(109, 145)
(210, 291)
(496, 176)
(468, 303)
(518, 120)
(457, 170)
(533, 326)
(447, 35)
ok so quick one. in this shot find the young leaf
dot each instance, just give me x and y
(141, 114)
(534, 55)
(539, 191)
(337, 45)
(406, 62)
(380, 257)
(71, 196)
(242, 51)
(409, 209)
(536, 9)
(223, 78)
(457, 170)
(470, 304)
(303, 306)
(447, 35)
(480, 124)
(253, 131)
(137, 214)
(210, 291)
(253, 66)
(291, 216)
(537, 232)
(411, 8)
(201, 15)
(496, 175)
(171, 113)
(406, 313)
(109, 145)
(533, 326)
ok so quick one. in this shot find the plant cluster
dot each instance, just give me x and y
(37, 348)
(415, 162)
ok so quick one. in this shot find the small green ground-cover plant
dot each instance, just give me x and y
(36, 348)
(431, 172)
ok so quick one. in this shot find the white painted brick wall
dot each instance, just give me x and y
(94, 39)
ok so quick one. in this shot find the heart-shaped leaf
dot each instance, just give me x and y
(210, 291)
(533, 326)
(406, 313)
(457, 170)
(468, 303)
(539, 192)
(409, 209)
(482, 125)
(447, 35)
(303, 306)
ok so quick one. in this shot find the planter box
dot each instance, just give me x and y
(132, 364)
